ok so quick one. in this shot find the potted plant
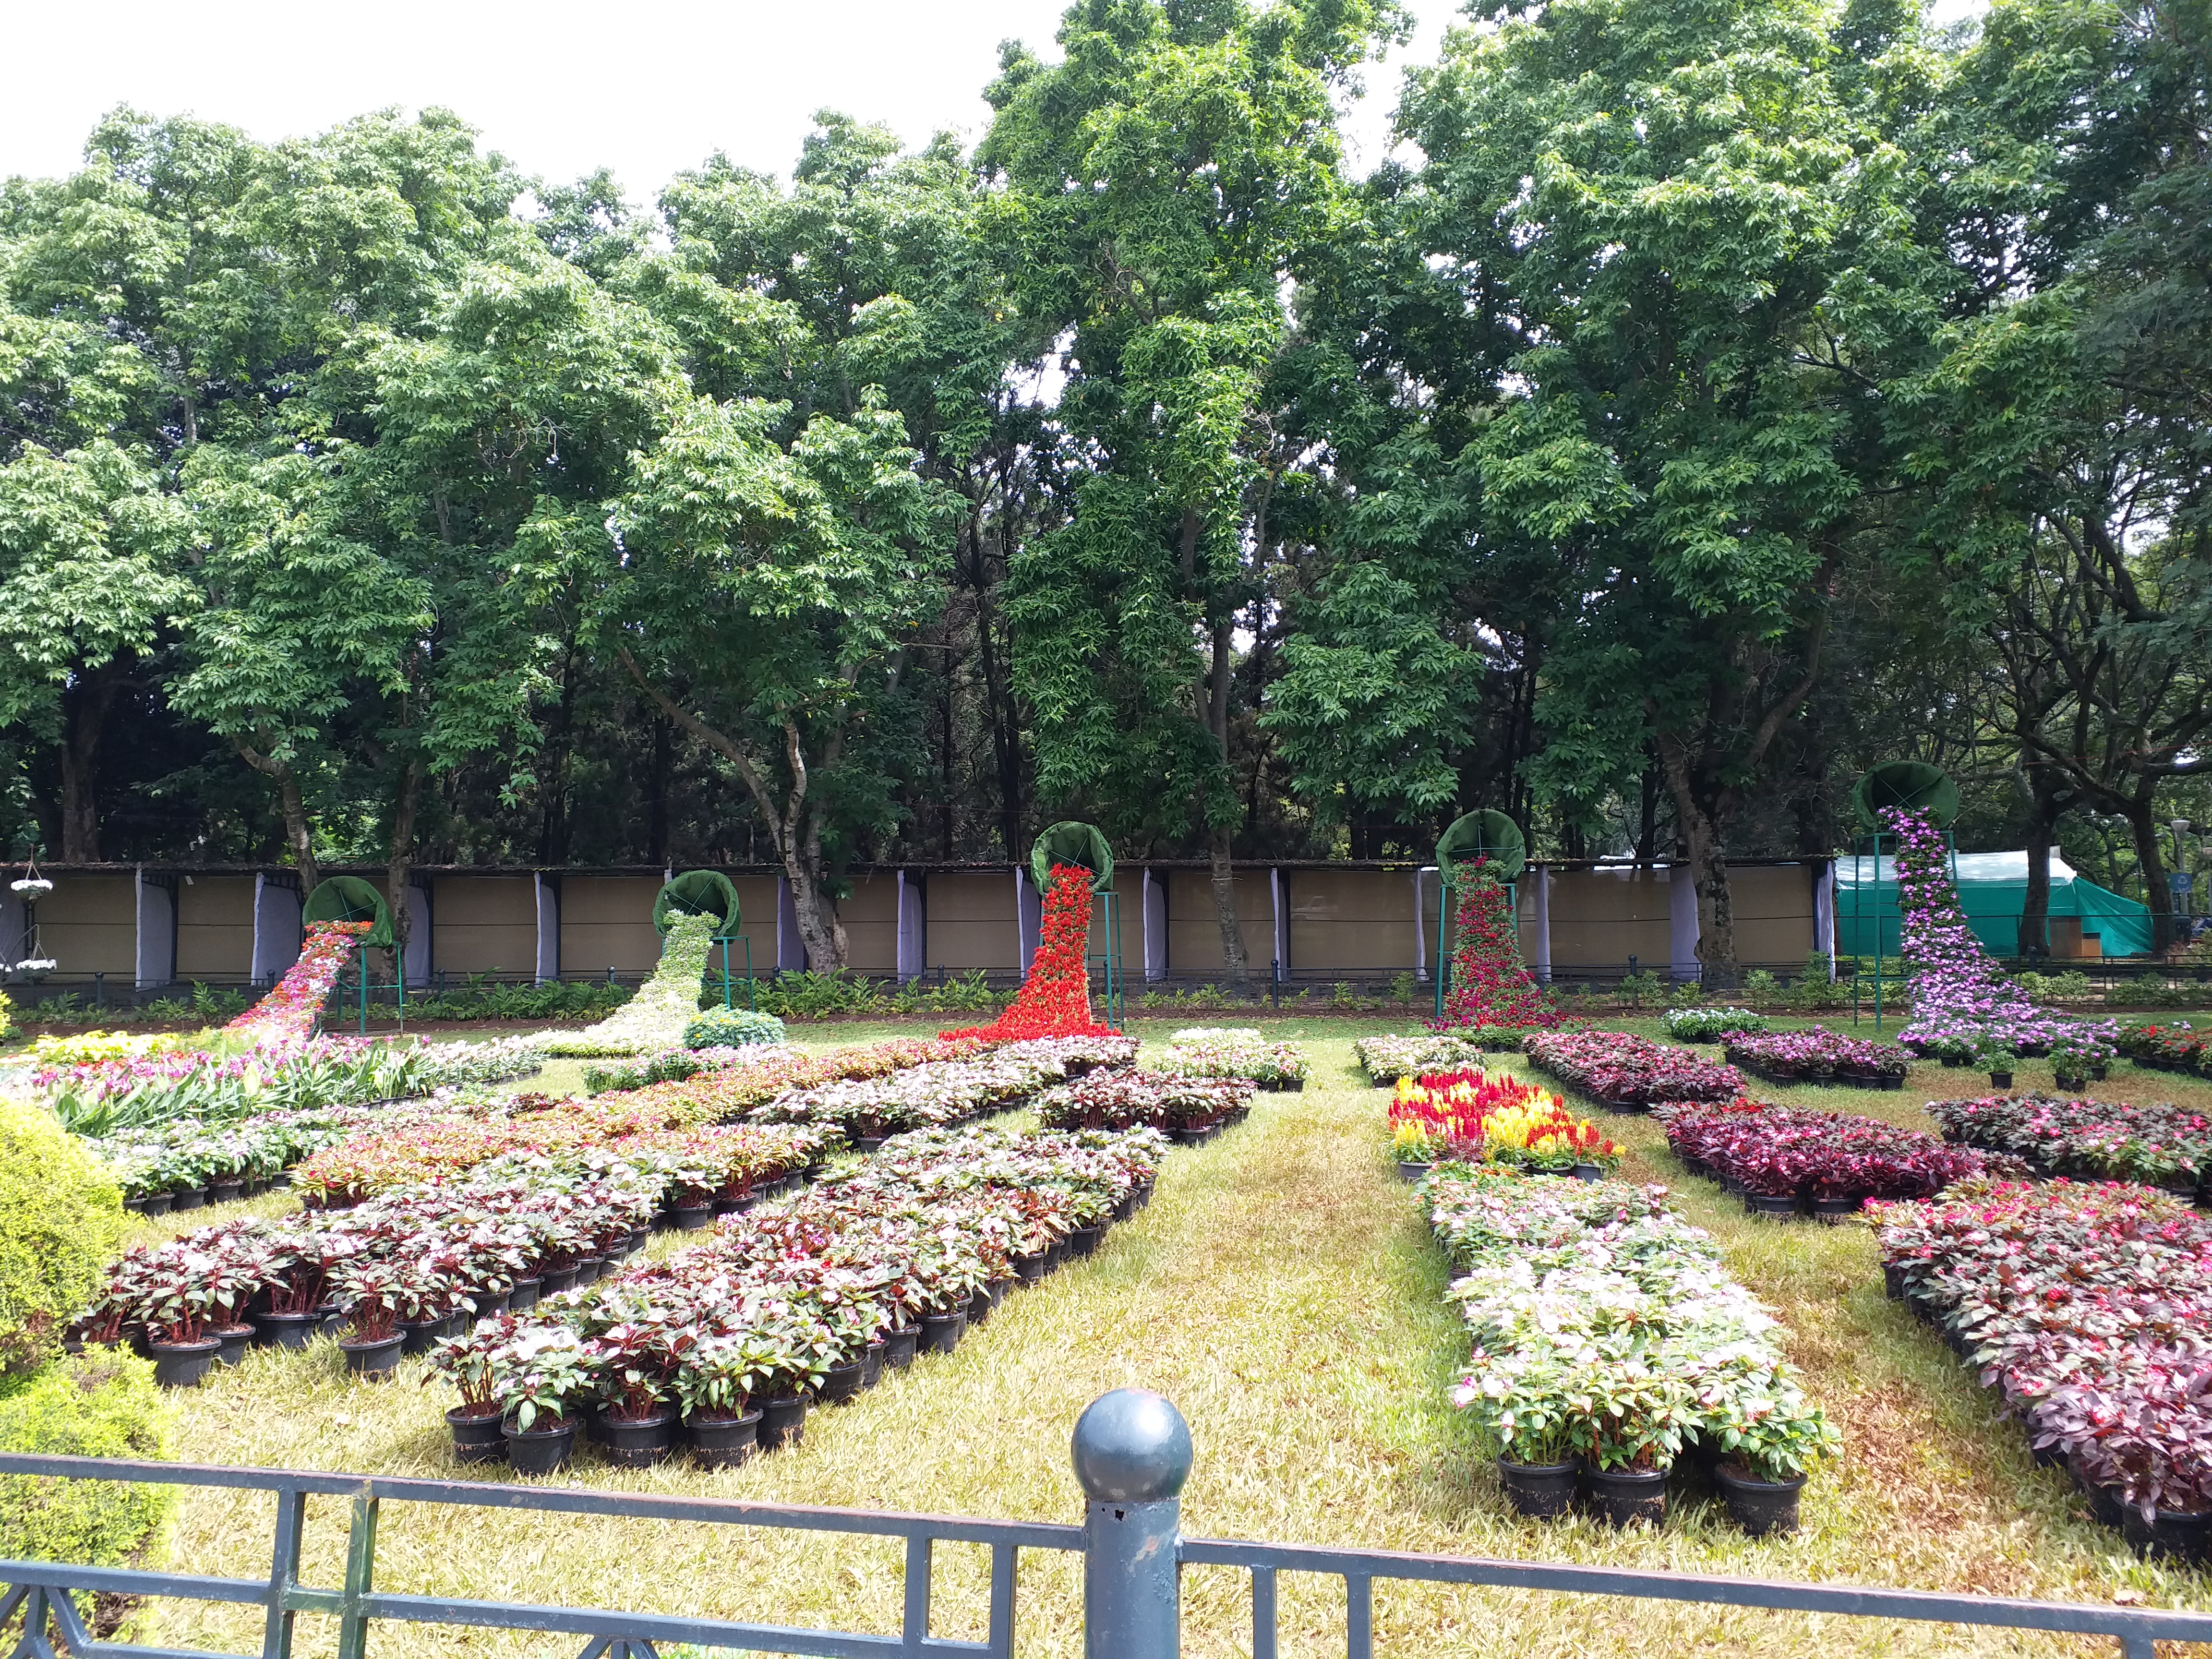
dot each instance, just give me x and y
(1997, 1058)
(715, 1384)
(373, 1291)
(1628, 1428)
(1519, 1404)
(637, 1425)
(469, 1363)
(541, 1377)
(1769, 1438)
(1414, 1147)
(805, 1347)
(175, 1300)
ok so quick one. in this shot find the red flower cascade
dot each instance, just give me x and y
(1491, 987)
(1055, 999)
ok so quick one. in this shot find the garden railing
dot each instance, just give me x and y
(1132, 1453)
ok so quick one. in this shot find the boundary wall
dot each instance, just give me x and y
(147, 926)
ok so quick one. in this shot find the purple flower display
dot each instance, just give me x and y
(1962, 1003)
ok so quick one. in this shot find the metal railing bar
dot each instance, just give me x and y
(133, 1581)
(1001, 1642)
(132, 1650)
(1930, 1605)
(566, 1500)
(1358, 1616)
(657, 1627)
(284, 1573)
(1266, 1626)
(361, 1567)
(913, 1626)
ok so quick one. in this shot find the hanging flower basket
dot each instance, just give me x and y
(36, 968)
(31, 888)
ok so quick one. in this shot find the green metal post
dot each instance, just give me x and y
(728, 1002)
(361, 1567)
(360, 963)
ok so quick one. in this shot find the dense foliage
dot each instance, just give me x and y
(1727, 396)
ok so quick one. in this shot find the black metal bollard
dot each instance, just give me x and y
(1132, 1453)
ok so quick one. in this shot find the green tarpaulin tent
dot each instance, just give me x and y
(1992, 891)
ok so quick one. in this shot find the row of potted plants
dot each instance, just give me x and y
(2159, 1146)
(1710, 1025)
(1630, 1073)
(1387, 1058)
(725, 1347)
(1785, 1162)
(185, 1164)
(675, 1065)
(2174, 1045)
(1189, 1110)
(1610, 1351)
(937, 1093)
(2085, 1307)
(1233, 1051)
(1818, 1055)
(1477, 1117)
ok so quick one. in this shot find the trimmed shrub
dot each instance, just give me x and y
(731, 1028)
(100, 1404)
(61, 1216)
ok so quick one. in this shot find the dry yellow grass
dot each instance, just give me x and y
(1281, 1290)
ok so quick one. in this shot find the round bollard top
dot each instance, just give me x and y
(1132, 1446)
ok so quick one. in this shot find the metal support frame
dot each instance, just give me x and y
(752, 1002)
(1132, 1452)
(1866, 898)
(1443, 904)
(1110, 959)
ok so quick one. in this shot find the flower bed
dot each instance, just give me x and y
(867, 1110)
(664, 1004)
(294, 1006)
(1605, 1328)
(2086, 1307)
(1711, 1025)
(1818, 1056)
(1233, 1051)
(1474, 1117)
(1387, 1058)
(1628, 1072)
(199, 1163)
(1190, 1109)
(2163, 1146)
(1786, 1161)
(2173, 1045)
(730, 1342)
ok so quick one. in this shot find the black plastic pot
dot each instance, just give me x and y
(1892, 1282)
(540, 1451)
(1836, 1209)
(723, 1442)
(980, 1306)
(2000, 1080)
(2177, 1534)
(900, 1345)
(1032, 1268)
(1589, 1171)
(1541, 1491)
(1056, 1256)
(225, 1192)
(421, 1335)
(377, 1359)
(1409, 1169)
(183, 1364)
(2104, 1502)
(554, 1280)
(842, 1382)
(188, 1198)
(1188, 1136)
(783, 1422)
(1084, 1240)
(1762, 1204)
(489, 1306)
(639, 1443)
(941, 1332)
(287, 1330)
(2100, 1071)
(475, 1439)
(692, 1218)
(235, 1340)
(1621, 1498)
(1760, 1507)
(158, 1203)
(869, 1143)
(524, 1296)
(872, 1363)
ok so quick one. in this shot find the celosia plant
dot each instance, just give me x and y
(1492, 988)
(1055, 999)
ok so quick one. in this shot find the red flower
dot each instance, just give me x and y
(1055, 999)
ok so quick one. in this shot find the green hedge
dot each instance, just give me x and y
(100, 1404)
(61, 1217)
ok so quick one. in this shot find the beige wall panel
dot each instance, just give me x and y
(215, 927)
(1773, 907)
(1349, 921)
(1129, 895)
(969, 922)
(606, 922)
(1194, 926)
(870, 914)
(89, 924)
(483, 925)
(1601, 918)
(757, 898)
(1577, 944)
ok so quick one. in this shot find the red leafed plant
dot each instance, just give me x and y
(1055, 998)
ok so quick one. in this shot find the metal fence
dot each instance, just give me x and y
(1133, 1453)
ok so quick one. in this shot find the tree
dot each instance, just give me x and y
(1162, 184)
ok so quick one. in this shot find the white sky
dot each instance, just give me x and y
(559, 88)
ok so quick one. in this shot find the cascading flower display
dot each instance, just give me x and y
(1055, 999)
(287, 1016)
(1492, 988)
(1961, 1000)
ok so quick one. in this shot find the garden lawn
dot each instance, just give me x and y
(1282, 1290)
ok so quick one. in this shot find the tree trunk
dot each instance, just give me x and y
(402, 861)
(1703, 823)
(2157, 895)
(85, 709)
(1233, 960)
(2045, 804)
(298, 834)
